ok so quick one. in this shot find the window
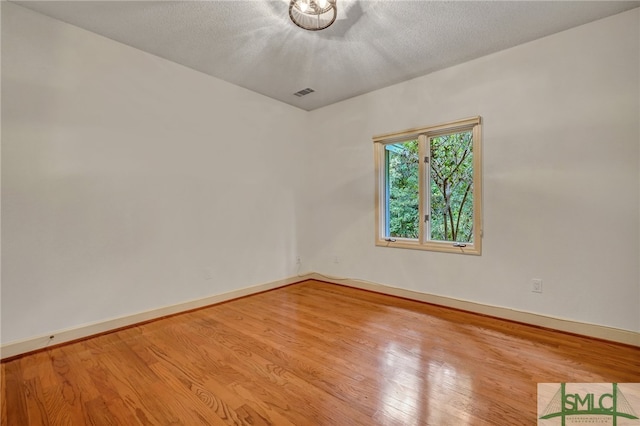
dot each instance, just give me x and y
(429, 186)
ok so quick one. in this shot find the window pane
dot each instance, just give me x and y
(452, 187)
(402, 190)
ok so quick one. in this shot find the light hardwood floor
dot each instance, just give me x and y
(308, 354)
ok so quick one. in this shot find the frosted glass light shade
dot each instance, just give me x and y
(313, 15)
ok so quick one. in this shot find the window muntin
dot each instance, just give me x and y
(429, 188)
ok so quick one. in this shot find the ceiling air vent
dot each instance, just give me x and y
(303, 92)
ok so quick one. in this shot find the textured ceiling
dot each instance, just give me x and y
(372, 44)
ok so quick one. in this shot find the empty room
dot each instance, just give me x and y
(320, 212)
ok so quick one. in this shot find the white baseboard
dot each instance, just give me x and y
(585, 329)
(12, 349)
(20, 347)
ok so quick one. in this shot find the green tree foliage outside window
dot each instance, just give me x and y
(450, 183)
(403, 187)
(452, 187)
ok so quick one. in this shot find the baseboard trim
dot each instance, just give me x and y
(21, 347)
(569, 326)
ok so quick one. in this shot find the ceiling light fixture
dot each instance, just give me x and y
(313, 15)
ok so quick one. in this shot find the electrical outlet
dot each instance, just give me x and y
(207, 273)
(536, 285)
(336, 259)
(298, 260)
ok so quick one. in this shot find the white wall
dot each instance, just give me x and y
(125, 177)
(561, 177)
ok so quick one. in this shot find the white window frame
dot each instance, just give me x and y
(423, 135)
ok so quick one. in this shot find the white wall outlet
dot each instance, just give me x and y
(536, 285)
(336, 259)
(298, 260)
(207, 273)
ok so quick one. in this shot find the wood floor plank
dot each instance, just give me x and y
(299, 368)
(14, 393)
(3, 396)
(307, 354)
